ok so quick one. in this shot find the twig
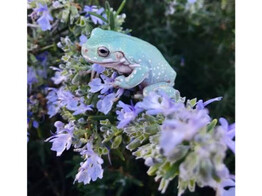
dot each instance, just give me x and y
(32, 25)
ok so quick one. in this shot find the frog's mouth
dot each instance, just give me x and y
(107, 62)
(120, 66)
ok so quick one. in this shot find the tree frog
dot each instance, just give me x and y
(137, 61)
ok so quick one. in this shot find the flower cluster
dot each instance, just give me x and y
(185, 139)
(58, 98)
(45, 16)
(63, 137)
(95, 9)
(91, 169)
(107, 95)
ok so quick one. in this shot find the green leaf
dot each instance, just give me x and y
(192, 102)
(98, 16)
(212, 125)
(105, 122)
(121, 7)
(117, 141)
(119, 154)
(102, 150)
(65, 15)
(171, 170)
(81, 21)
(112, 21)
(134, 144)
(192, 185)
(76, 79)
(73, 14)
(152, 170)
(107, 5)
(108, 138)
(163, 185)
(152, 129)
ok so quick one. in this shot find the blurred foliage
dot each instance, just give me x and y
(199, 45)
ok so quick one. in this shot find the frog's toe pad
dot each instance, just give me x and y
(119, 80)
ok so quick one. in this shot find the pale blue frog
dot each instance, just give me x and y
(137, 61)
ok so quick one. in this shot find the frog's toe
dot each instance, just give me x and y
(118, 81)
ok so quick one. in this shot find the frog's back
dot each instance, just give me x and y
(123, 42)
(142, 52)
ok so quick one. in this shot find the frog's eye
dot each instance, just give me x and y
(103, 51)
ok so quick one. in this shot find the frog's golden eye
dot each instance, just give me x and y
(103, 51)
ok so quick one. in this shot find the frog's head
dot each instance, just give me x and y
(103, 48)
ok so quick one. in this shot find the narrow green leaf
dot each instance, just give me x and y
(117, 141)
(171, 171)
(121, 7)
(98, 16)
(133, 145)
(119, 154)
(112, 21)
(107, 5)
(76, 79)
(152, 170)
(212, 125)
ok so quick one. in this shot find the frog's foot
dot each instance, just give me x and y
(160, 87)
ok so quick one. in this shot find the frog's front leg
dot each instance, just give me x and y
(137, 76)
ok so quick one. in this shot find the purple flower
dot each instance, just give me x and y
(43, 58)
(52, 102)
(58, 98)
(228, 182)
(95, 85)
(82, 108)
(52, 110)
(56, 4)
(59, 126)
(35, 124)
(67, 99)
(58, 78)
(91, 169)
(183, 124)
(31, 76)
(126, 114)
(107, 95)
(105, 104)
(63, 138)
(82, 39)
(95, 9)
(157, 103)
(201, 105)
(191, 1)
(45, 18)
(229, 131)
(107, 85)
(98, 68)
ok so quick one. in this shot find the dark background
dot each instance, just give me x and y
(201, 49)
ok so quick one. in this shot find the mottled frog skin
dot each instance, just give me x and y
(138, 62)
